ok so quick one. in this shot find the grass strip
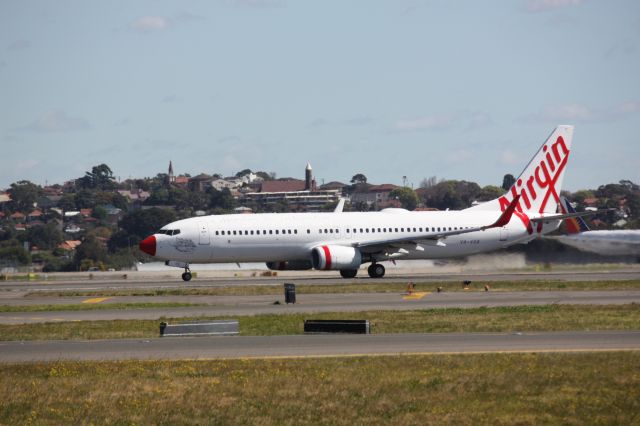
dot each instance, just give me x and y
(548, 388)
(368, 287)
(93, 306)
(441, 320)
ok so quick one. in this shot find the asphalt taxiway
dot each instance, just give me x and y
(116, 281)
(310, 303)
(317, 346)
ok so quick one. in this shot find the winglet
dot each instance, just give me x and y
(340, 206)
(505, 217)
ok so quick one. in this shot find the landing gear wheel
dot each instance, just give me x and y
(348, 273)
(376, 270)
(186, 276)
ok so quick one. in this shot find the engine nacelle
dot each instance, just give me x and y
(290, 265)
(336, 257)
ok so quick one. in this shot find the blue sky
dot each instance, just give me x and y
(458, 90)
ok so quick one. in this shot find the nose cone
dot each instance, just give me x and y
(148, 245)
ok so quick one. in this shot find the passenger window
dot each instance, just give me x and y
(347, 230)
(216, 232)
(396, 229)
(295, 231)
(251, 232)
(337, 231)
(246, 232)
(308, 231)
(277, 232)
(331, 230)
(414, 229)
(420, 229)
(361, 230)
(378, 229)
(270, 231)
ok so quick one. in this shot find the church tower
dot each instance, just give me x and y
(170, 176)
(309, 181)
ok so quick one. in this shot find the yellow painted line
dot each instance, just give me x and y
(416, 296)
(96, 300)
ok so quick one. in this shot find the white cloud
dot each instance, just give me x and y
(544, 5)
(57, 121)
(509, 158)
(359, 121)
(19, 45)
(148, 24)
(427, 122)
(569, 113)
(27, 164)
(171, 99)
(466, 120)
(257, 4)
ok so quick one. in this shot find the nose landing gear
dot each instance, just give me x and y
(186, 275)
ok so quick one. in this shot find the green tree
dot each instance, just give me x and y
(490, 192)
(452, 194)
(507, 181)
(100, 177)
(12, 252)
(90, 249)
(358, 178)
(220, 199)
(67, 202)
(407, 197)
(243, 172)
(46, 237)
(138, 225)
(24, 195)
(85, 199)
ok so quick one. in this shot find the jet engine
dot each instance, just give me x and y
(290, 265)
(336, 257)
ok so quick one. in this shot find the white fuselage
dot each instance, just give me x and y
(274, 237)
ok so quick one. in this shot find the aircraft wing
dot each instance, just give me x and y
(567, 215)
(435, 238)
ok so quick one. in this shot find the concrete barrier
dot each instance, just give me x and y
(201, 328)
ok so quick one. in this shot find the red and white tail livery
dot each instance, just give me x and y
(344, 241)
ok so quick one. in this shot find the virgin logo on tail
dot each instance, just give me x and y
(540, 183)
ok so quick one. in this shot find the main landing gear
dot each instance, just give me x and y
(376, 270)
(186, 275)
(348, 273)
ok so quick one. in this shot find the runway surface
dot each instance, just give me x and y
(251, 305)
(111, 281)
(316, 346)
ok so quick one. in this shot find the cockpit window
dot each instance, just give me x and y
(168, 232)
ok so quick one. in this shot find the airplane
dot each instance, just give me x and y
(343, 241)
(617, 242)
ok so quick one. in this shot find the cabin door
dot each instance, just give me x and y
(504, 233)
(204, 233)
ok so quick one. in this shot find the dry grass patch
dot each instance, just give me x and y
(441, 320)
(580, 388)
